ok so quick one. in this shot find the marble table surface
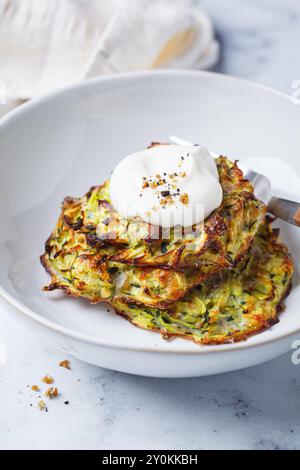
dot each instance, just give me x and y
(255, 408)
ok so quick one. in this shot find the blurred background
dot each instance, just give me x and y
(48, 44)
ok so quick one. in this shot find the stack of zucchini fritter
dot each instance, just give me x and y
(221, 282)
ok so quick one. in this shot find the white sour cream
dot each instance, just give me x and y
(167, 185)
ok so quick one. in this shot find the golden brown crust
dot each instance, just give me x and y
(236, 338)
(156, 292)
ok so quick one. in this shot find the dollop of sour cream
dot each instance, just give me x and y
(167, 185)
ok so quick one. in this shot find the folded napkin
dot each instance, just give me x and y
(48, 44)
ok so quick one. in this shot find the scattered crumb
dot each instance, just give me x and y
(65, 363)
(48, 379)
(42, 405)
(166, 201)
(184, 198)
(51, 392)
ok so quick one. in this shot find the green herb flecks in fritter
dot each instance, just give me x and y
(229, 307)
(218, 243)
(219, 286)
(86, 270)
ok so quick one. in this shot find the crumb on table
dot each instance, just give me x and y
(42, 405)
(65, 364)
(48, 379)
(51, 392)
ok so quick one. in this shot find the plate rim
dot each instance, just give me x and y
(65, 331)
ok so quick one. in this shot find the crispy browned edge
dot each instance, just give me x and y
(240, 336)
(234, 338)
(168, 336)
(65, 289)
(164, 304)
(46, 266)
(231, 339)
(215, 228)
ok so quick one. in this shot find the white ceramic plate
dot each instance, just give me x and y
(65, 143)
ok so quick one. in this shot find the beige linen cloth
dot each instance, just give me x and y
(49, 44)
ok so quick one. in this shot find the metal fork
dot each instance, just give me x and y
(284, 209)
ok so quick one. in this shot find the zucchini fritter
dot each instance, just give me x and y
(217, 244)
(83, 265)
(86, 271)
(224, 281)
(229, 307)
